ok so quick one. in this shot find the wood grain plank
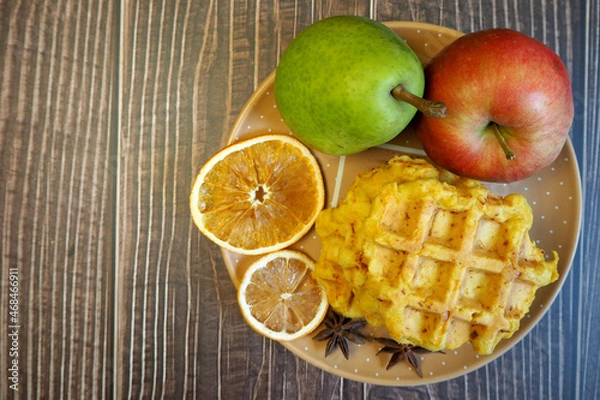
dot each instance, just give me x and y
(57, 208)
(588, 285)
(165, 289)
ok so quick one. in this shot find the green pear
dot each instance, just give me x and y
(348, 83)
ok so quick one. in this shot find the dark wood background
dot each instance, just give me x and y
(107, 112)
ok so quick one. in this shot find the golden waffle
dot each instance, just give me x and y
(436, 259)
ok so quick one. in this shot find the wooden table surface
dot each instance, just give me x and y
(107, 112)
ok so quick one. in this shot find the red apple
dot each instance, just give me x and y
(509, 106)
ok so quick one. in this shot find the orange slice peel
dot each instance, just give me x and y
(279, 298)
(258, 195)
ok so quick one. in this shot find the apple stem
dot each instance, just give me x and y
(510, 155)
(434, 109)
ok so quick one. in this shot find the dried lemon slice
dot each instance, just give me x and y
(280, 299)
(258, 195)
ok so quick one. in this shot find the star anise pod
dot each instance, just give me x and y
(401, 352)
(340, 330)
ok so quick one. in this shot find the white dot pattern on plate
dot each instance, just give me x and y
(554, 196)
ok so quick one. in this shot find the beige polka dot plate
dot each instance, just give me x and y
(554, 194)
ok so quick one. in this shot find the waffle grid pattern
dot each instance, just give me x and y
(437, 264)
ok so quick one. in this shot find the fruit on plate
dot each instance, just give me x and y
(279, 298)
(258, 195)
(509, 106)
(344, 84)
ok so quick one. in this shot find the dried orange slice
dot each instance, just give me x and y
(279, 298)
(258, 195)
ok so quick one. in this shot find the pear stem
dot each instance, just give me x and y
(434, 109)
(510, 155)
